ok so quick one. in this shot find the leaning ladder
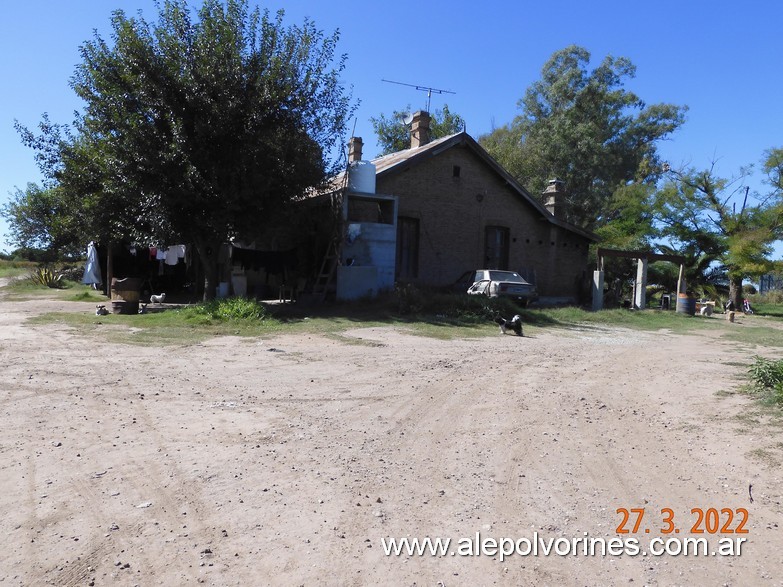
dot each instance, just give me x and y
(327, 271)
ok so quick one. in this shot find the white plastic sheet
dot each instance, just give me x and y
(92, 270)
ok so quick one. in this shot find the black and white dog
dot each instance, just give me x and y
(514, 324)
(100, 310)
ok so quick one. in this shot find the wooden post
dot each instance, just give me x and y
(682, 286)
(109, 269)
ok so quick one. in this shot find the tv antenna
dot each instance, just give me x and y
(427, 89)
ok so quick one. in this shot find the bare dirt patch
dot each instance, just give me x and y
(285, 461)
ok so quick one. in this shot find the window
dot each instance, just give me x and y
(455, 171)
(407, 248)
(370, 210)
(496, 239)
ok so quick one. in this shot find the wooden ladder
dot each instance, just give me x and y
(327, 272)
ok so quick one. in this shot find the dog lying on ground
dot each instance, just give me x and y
(142, 308)
(157, 299)
(514, 324)
(100, 310)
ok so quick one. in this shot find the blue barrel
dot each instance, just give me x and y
(686, 305)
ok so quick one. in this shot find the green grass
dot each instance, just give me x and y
(638, 320)
(757, 330)
(191, 325)
(238, 317)
(768, 309)
(22, 288)
(159, 328)
(766, 380)
(16, 268)
(334, 322)
(83, 293)
(441, 316)
(764, 383)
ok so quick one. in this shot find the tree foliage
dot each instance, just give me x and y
(586, 129)
(394, 136)
(718, 221)
(198, 126)
(773, 167)
(633, 225)
(43, 218)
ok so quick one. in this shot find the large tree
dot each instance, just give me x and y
(40, 218)
(393, 135)
(197, 127)
(721, 224)
(586, 129)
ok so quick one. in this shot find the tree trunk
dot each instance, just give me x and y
(109, 268)
(198, 279)
(208, 256)
(735, 292)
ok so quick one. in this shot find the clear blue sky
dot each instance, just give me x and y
(723, 60)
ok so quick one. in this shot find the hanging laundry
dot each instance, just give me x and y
(92, 270)
(172, 255)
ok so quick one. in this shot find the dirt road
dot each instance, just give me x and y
(285, 461)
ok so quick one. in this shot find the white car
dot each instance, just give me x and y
(508, 284)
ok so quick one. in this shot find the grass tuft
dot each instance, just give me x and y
(231, 309)
(766, 376)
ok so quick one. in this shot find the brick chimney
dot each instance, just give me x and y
(555, 198)
(355, 149)
(420, 129)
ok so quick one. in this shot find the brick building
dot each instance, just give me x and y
(458, 210)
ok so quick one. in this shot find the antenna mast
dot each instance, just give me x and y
(427, 89)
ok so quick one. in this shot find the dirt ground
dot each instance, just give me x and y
(285, 461)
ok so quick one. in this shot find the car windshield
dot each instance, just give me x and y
(506, 276)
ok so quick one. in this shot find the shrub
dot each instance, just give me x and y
(473, 307)
(47, 276)
(409, 298)
(770, 297)
(72, 272)
(232, 309)
(412, 300)
(766, 374)
(767, 378)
